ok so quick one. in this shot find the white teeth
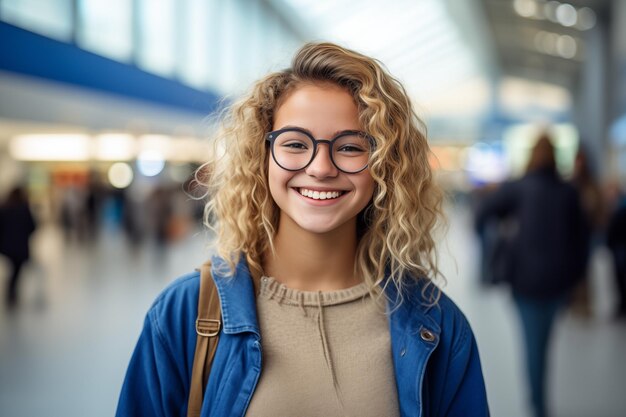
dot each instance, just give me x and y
(320, 195)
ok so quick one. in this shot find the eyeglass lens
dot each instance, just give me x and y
(293, 150)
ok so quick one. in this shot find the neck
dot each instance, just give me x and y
(313, 261)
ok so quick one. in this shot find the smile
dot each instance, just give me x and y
(320, 195)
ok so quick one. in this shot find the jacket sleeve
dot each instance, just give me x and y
(459, 386)
(467, 394)
(153, 385)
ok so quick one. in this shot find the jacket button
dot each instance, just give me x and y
(427, 335)
(403, 352)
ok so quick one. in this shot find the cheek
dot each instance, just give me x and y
(276, 180)
(367, 184)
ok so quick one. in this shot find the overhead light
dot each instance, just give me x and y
(525, 8)
(545, 42)
(531, 9)
(120, 175)
(566, 14)
(549, 10)
(566, 46)
(51, 147)
(562, 13)
(586, 19)
(115, 147)
(150, 162)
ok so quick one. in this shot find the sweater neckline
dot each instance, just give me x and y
(270, 288)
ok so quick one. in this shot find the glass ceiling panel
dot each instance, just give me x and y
(416, 39)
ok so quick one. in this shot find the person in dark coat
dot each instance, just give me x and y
(16, 227)
(547, 253)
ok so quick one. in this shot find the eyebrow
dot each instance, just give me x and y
(311, 133)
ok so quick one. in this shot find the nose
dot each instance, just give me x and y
(322, 166)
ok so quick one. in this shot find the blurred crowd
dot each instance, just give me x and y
(504, 215)
(147, 212)
(538, 234)
(154, 213)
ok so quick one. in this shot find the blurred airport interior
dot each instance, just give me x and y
(107, 108)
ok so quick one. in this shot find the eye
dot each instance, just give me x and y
(352, 145)
(350, 148)
(293, 142)
(294, 145)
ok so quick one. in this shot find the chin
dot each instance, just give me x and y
(320, 227)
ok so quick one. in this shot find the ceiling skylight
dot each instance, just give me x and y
(415, 39)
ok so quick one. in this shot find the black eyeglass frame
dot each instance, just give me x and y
(271, 137)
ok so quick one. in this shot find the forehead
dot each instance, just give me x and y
(318, 107)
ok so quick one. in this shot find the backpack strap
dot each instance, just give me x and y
(208, 326)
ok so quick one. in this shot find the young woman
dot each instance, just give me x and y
(324, 207)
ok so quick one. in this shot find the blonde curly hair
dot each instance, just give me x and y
(395, 230)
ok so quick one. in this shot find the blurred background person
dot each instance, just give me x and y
(616, 241)
(74, 212)
(594, 211)
(546, 254)
(93, 205)
(16, 227)
(496, 235)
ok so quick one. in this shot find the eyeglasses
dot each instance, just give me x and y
(294, 149)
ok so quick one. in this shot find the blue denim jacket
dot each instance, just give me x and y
(435, 357)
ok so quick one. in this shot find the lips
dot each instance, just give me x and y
(320, 195)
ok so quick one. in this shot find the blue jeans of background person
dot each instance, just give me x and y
(537, 317)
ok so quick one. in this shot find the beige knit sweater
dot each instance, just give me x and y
(324, 354)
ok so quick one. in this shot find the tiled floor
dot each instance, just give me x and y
(64, 352)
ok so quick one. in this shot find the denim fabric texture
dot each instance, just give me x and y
(435, 357)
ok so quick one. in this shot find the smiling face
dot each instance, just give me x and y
(319, 198)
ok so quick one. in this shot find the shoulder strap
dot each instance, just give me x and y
(208, 325)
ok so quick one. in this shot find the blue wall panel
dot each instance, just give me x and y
(28, 53)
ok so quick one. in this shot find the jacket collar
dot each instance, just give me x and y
(237, 298)
(238, 301)
(413, 307)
